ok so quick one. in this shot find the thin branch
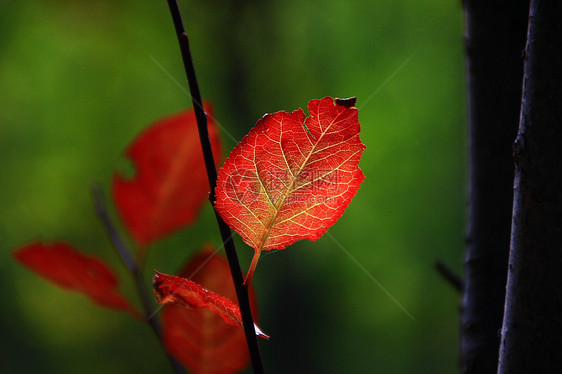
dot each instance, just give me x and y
(241, 289)
(450, 276)
(132, 266)
(118, 243)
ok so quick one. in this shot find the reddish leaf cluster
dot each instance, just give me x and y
(168, 190)
(290, 178)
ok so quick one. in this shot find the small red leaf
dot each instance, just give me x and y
(292, 177)
(182, 291)
(199, 338)
(66, 267)
(170, 184)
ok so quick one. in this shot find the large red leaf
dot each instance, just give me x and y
(199, 338)
(170, 184)
(66, 267)
(292, 177)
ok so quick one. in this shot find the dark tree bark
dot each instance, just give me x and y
(532, 326)
(495, 39)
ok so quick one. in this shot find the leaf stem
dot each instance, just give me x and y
(252, 268)
(134, 269)
(230, 249)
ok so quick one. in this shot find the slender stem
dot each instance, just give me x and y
(230, 249)
(118, 243)
(135, 270)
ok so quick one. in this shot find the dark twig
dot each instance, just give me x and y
(118, 243)
(450, 276)
(241, 289)
(132, 266)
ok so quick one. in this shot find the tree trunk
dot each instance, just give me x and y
(495, 39)
(532, 326)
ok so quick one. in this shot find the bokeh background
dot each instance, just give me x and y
(79, 79)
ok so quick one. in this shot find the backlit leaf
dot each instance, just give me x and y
(199, 338)
(170, 184)
(68, 268)
(292, 177)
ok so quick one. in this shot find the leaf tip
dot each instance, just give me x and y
(260, 333)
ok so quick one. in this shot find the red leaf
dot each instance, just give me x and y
(66, 267)
(291, 178)
(171, 184)
(182, 291)
(199, 338)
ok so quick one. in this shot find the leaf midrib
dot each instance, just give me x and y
(290, 188)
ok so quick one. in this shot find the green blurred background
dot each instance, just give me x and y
(79, 79)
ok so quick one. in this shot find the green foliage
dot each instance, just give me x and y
(79, 81)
